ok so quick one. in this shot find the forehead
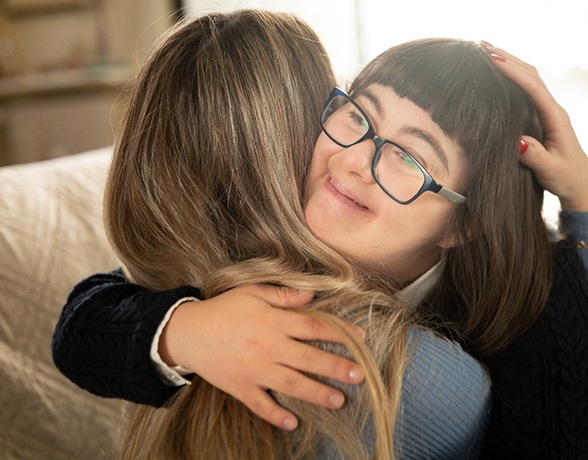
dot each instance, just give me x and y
(402, 121)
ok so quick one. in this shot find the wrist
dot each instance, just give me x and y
(172, 339)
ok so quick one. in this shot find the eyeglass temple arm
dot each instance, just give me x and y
(451, 195)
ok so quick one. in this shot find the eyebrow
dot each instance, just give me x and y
(429, 139)
(411, 130)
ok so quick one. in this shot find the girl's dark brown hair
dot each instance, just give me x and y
(496, 282)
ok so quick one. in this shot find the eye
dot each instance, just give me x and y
(406, 160)
(357, 121)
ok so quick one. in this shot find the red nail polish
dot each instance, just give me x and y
(524, 146)
(486, 44)
(498, 58)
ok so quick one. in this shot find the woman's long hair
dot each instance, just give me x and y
(205, 189)
(496, 283)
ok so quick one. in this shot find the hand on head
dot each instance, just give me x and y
(559, 163)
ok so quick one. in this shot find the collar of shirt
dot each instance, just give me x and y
(415, 292)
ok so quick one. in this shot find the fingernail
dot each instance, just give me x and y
(290, 423)
(486, 44)
(498, 58)
(524, 146)
(356, 375)
(336, 400)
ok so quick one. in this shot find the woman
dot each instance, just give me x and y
(210, 128)
(470, 327)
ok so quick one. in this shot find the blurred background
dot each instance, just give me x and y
(64, 63)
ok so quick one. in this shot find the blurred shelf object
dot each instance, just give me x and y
(34, 7)
(61, 81)
(50, 114)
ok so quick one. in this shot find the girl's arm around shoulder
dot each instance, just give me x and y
(103, 337)
(446, 400)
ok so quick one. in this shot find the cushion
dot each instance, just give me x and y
(51, 236)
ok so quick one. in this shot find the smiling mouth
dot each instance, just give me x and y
(355, 202)
(358, 204)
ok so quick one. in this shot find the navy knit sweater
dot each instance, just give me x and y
(540, 382)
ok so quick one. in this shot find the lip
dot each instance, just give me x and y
(345, 196)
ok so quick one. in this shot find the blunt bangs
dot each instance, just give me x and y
(457, 84)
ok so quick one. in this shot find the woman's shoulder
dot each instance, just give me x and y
(446, 400)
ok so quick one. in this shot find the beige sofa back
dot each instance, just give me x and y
(51, 236)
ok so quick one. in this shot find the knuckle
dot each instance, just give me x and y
(288, 385)
(258, 407)
(314, 325)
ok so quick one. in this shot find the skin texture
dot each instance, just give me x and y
(349, 211)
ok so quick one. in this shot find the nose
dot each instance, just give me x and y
(358, 158)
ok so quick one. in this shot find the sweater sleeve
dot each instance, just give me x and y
(446, 401)
(574, 224)
(103, 337)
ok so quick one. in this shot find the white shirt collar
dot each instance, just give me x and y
(415, 292)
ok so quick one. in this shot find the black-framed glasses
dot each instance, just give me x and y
(397, 172)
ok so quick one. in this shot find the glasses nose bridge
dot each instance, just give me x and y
(378, 141)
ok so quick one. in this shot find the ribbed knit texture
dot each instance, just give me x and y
(541, 381)
(103, 337)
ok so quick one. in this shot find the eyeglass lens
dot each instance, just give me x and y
(395, 170)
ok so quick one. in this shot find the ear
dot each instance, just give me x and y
(453, 238)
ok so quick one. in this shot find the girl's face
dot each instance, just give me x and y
(349, 211)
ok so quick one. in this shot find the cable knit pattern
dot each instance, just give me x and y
(541, 380)
(103, 337)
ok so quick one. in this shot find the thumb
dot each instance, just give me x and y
(284, 297)
(532, 154)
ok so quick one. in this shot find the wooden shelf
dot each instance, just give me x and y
(63, 81)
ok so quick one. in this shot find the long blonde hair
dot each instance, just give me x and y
(205, 189)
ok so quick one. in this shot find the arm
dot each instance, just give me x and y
(238, 341)
(446, 401)
(103, 336)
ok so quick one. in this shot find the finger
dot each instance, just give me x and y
(533, 153)
(296, 385)
(264, 406)
(306, 327)
(509, 57)
(283, 297)
(310, 359)
(548, 167)
(527, 77)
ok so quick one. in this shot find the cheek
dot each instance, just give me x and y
(423, 224)
(318, 165)
(323, 150)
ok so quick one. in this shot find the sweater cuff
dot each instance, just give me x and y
(172, 376)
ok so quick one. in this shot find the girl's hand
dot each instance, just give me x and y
(249, 340)
(560, 164)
